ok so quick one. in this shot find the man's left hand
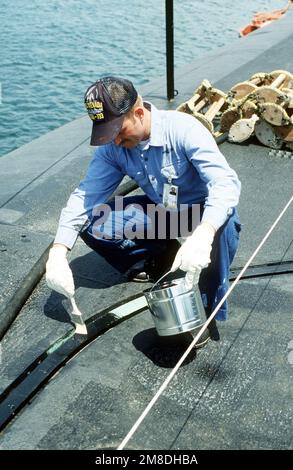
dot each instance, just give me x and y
(194, 254)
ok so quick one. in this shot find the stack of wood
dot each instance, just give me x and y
(261, 106)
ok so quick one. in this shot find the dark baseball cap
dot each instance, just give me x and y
(107, 101)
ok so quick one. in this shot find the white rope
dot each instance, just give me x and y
(182, 359)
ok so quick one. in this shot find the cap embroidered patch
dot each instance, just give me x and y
(95, 110)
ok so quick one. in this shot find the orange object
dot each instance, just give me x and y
(263, 18)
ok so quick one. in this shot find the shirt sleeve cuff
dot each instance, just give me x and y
(66, 236)
(215, 216)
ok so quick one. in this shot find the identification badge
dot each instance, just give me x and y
(170, 196)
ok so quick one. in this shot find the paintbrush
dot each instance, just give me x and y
(77, 318)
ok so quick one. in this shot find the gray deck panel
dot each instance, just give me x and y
(267, 184)
(232, 394)
(252, 409)
(40, 203)
(20, 167)
(45, 316)
(289, 254)
(20, 250)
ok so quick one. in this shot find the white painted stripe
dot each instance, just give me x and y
(130, 307)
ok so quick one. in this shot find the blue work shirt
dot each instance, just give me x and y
(180, 148)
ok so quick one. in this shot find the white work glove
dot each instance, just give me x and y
(58, 273)
(194, 254)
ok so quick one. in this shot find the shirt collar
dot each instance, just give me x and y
(157, 137)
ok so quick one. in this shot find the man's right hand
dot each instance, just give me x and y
(58, 273)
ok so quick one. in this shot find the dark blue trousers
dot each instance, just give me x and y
(122, 252)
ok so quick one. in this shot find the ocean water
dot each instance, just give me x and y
(51, 51)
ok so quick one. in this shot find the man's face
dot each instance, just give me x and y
(131, 133)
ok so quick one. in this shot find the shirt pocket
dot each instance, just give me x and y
(168, 171)
(176, 170)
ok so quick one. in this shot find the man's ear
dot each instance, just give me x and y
(139, 112)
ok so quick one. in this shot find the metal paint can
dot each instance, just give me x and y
(174, 308)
